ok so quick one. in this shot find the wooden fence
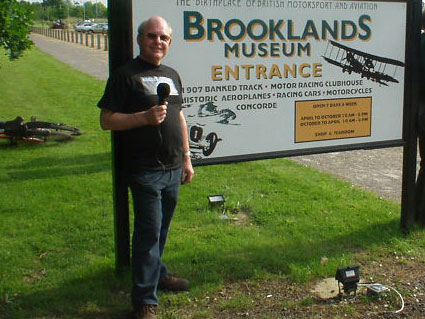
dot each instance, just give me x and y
(94, 40)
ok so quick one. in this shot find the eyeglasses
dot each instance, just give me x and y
(162, 37)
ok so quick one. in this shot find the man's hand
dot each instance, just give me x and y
(116, 121)
(156, 114)
(188, 172)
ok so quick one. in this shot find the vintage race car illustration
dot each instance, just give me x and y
(210, 110)
(200, 142)
(203, 142)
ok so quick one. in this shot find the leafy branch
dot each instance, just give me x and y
(15, 22)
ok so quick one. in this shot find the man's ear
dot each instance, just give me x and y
(139, 39)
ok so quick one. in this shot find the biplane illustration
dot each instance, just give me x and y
(369, 66)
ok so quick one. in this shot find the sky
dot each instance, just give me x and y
(81, 1)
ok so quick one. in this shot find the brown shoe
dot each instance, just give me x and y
(145, 312)
(172, 283)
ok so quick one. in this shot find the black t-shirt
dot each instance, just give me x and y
(132, 88)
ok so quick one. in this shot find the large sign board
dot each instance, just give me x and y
(279, 77)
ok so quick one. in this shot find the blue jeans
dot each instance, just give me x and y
(155, 196)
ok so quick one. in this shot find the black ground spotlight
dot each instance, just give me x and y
(348, 277)
(216, 200)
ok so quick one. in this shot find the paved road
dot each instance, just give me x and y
(378, 170)
(85, 59)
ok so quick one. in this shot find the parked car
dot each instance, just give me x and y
(79, 27)
(101, 28)
(85, 27)
(58, 24)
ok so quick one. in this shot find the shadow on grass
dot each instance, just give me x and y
(6, 145)
(105, 295)
(52, 166)
(299, 261)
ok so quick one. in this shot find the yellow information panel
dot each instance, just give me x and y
(332, 119)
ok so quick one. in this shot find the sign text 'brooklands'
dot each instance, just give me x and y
(263, 36)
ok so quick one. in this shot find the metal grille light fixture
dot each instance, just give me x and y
(348, 277)
(216, 200)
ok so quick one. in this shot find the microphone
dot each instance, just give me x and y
(163, 91)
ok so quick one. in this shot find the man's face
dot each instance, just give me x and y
(155, 41)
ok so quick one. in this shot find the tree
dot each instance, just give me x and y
(77, 11)
(55, 9)
(90, 10)
(15, 22)
(37, 10)
(101, 10)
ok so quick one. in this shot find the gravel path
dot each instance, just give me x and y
(378, 170)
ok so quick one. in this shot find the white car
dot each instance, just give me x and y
(85, 27)
(101, 28)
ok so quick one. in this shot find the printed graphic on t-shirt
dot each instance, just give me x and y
(150, 83)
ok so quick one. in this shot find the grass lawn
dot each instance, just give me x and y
(56, 230)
